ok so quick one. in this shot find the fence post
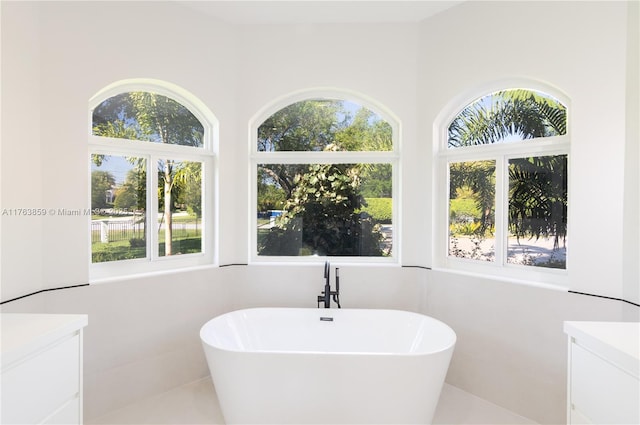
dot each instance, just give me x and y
(104, 231)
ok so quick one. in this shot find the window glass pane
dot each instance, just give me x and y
(472, 210)
(118, 200)
(148, 117)
(538, 211)
(508, 116)
(179, 207)
(322, 125)
(324, 209)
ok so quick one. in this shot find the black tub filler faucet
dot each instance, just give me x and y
(328, 294)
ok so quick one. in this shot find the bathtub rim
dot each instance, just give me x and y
(447, 347)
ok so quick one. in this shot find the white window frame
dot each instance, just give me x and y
(501, 153)
(287, 157)
(153, 152)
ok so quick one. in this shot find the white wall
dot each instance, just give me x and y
(631, 222)
(21, 266)
(57, 55)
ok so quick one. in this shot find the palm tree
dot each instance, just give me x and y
(537, 185)
(507, 114)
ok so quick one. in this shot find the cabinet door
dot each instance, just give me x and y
(36, 388)
(601, 392)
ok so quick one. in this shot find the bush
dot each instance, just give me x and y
(380, 209)
(137, 243)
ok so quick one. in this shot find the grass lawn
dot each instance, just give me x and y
(123, 250)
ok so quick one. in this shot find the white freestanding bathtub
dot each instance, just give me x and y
(347, 366)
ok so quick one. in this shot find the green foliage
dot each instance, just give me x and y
(367, 132)
(469, 228)
(116, 129)
(380, 209)
(132, 195)
(478, 179)
(538, 197)
(187, 186)
(322, 217)
(377, 180)
(271, 198)
(302, 126)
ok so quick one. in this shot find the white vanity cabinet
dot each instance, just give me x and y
(41, 375)
(603, 373)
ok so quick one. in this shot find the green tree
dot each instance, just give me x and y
(189, 182)
(101, 183)
(271, 196)
(308, 126)
(365, 132)
(132, 194)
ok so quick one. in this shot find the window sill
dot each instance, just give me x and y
(560, 283)
(152, 273)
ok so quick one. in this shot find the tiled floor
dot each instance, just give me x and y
(196, 403)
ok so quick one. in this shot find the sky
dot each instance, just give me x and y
(118, 166)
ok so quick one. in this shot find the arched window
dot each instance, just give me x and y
(151, 148)
(504, 157)
(324, 168)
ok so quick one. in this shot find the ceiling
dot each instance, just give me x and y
(320, 11)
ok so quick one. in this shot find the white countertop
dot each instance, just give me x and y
(618, 342)
(24, 333)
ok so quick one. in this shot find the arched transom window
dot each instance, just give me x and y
(505, 158)
(150, 201)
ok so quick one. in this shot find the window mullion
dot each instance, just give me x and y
(302, 157)
(501, 208)
(152, 207)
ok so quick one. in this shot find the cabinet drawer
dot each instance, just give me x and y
(34, 389)
(602, 392)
